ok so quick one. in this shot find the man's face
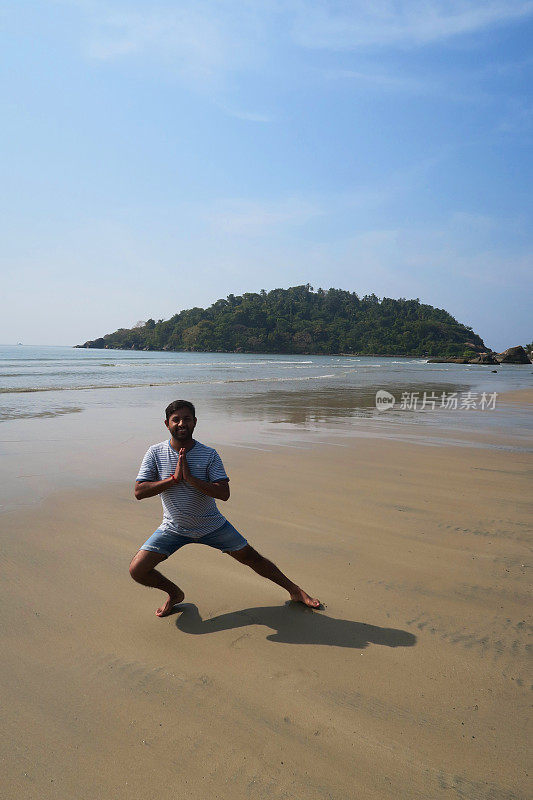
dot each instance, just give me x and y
(181, 424)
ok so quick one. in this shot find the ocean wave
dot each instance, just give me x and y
(138, 362)
(273, 379)
(277, 380)
(61, 374)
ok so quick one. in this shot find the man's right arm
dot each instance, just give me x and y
(151, 488)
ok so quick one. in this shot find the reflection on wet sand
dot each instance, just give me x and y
(313, 407)
(289, 417)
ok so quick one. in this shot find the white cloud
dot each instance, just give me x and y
(256, 218)
(200, 40)
(205, 36)
(377, 23)
(461, 87)
(247, 116)
(208, 45)
(192, 41)
(465, 247)
(381, 80)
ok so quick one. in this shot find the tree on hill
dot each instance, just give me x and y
(300, 320)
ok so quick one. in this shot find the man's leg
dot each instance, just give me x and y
(247, 555)
(142, 570)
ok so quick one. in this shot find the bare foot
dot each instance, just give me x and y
(302, 597)
(173, 599)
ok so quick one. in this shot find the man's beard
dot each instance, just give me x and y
(182, 434)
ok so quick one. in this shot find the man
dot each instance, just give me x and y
(189, 477)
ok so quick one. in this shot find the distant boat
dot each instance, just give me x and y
(19, 344)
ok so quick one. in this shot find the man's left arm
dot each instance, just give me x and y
(217, 489)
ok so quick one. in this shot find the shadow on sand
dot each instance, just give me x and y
(293, 623)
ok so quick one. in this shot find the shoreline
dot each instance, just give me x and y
(242, 352)
(92, 450)
(521, 396)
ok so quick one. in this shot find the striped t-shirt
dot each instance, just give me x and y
(185, 509)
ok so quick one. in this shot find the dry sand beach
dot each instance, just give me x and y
(411, 683)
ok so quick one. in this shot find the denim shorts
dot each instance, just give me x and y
(225, 538)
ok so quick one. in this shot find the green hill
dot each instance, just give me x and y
(300, 320)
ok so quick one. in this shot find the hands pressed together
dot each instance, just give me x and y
(182, 472)
(217, 489)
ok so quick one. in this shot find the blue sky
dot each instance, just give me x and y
(158, 156)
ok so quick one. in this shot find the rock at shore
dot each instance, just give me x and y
(484, 358)
(513, 355)
(448, 360)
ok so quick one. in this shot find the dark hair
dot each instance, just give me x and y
(179, 404)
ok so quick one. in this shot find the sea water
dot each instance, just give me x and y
(84, 418)
(51, 381)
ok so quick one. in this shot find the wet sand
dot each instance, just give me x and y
(411, 683)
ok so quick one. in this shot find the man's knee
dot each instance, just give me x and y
(143, 562)
(247, 555)
(136, 569)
